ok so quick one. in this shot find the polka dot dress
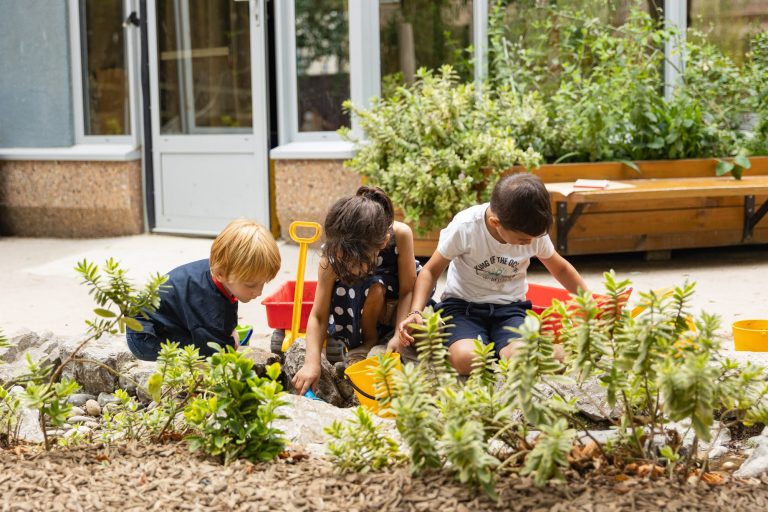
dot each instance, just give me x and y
(347, 302)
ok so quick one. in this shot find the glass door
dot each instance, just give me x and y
(208, 109)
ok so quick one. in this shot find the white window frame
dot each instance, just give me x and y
(365, 72)
(132, 60)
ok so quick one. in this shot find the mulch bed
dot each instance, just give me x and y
(166, 477)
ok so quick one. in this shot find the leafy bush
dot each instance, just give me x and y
(235, 408)
(434, 146)
(118, 301)
(603, 84)
(660, 370)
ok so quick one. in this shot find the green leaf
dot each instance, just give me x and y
(632, 165)
(105, 313)
(723, 167)
(155, 386)
(132, 323)
(742, 161)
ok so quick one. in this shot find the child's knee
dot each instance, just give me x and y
(374, 300)
(460, 355)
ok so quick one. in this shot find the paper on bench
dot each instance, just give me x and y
(569, 187)
(593, 184)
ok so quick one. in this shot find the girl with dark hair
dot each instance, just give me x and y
(365, 282)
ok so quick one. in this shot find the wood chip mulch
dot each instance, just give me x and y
(167, 477)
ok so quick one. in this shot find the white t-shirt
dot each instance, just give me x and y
(484, 270)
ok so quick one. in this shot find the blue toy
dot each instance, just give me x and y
(309, 394)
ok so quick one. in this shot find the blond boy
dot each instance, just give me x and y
(199, 304)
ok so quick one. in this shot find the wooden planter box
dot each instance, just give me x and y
(647, 225)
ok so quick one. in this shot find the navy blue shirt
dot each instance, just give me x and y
(193, 310)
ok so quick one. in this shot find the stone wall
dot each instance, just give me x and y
(305, 189)
(69, 199)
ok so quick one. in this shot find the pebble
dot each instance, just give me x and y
(56, 432)
(93, 408)
(79, 399)
(107, 398)
(76, 411)
(79, 419)
(91, 424)
(82, 429)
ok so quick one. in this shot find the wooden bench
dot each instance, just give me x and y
(574, 200)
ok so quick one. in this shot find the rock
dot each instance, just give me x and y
(56, 432)
(80, 429)
(329, 388)
(757, 462)
(80, 399)
(28, 425)
(94, 377)
(261, 359)
(718, 435)
(76, 411)
(307, 418)
(134, 376)
(78, 419)
(107, 398)
(92, 424)
(93, 408)
(717, 452)
(591, 398)
(42, 349)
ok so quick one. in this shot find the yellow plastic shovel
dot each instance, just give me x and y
(299, 291)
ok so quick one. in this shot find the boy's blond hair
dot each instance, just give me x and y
(245, 252)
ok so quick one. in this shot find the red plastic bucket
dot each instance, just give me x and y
(279, 305)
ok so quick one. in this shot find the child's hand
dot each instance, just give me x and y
(306, 378)
(404, 331)
(236, 337)
(394, 344)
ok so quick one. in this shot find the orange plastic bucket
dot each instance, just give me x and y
(751, 335)
(362, 376)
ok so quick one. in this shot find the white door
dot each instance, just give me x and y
(209, 113)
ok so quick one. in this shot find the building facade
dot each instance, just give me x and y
(175, 116)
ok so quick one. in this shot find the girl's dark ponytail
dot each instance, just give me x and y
(378, 195)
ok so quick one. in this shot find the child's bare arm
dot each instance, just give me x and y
(406, 272)
(565, 273)
(425, 283)
(317, 325)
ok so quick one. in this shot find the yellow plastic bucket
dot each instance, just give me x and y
(362, 376)
(751, 335)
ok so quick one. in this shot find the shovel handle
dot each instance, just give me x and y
(304, 224)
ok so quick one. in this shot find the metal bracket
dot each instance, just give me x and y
(565, 222)
(752, 217)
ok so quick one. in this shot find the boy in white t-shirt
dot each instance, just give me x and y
(487, 249)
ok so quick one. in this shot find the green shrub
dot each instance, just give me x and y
(435, 145)
(656, 368)
(234, 409)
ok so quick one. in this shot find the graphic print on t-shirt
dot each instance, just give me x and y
(498, 269)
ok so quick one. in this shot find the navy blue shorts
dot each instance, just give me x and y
(486, 321)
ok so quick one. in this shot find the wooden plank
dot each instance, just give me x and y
(664, 204)
(656, 242)
(688, 168)
(657, 221)
(670, 188)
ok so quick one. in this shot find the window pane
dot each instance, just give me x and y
(423, 33)
(105, 70)
(729, 24)
(322, 64)
(204, 67)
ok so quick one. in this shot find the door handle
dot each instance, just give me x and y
(132, 19)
